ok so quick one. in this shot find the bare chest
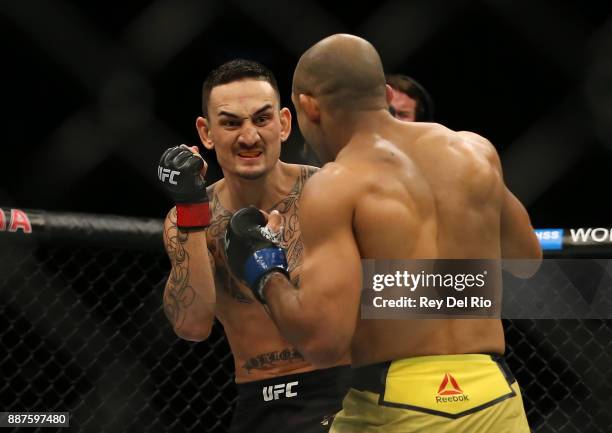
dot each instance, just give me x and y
(229, 288)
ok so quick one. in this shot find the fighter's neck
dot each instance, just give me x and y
(262, 193)
(360, 127)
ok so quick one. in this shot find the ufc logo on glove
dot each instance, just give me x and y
(273, 392)
(166, 173)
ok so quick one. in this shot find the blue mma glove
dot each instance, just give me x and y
(252, 250)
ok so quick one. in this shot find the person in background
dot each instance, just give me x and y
(410, 101)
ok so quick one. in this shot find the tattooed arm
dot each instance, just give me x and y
(189, 296)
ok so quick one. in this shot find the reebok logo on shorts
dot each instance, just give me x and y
(449, 391)
(273, 392)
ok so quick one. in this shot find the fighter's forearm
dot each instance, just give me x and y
(519, 245)
(302, 323)
(189, 295)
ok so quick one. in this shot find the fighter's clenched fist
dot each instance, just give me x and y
(252, 250)
(181, 171)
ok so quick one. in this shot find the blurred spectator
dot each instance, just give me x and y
(410, 102)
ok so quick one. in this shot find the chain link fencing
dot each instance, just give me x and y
(82, 330)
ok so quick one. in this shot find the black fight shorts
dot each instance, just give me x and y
(297, 403)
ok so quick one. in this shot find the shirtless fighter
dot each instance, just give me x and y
(243, 122)
(395, 190)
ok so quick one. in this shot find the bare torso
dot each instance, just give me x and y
(260, 352)
(423, 191)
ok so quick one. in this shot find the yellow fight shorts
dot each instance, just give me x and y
(433, 394)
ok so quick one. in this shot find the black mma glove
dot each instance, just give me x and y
(180, 172)
(252, 251)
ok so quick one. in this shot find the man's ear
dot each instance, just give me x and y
(310, 106)
(285, 120)
(389, 92)
(204, 132)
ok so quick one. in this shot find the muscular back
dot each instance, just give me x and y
(425, 192)
(442, 191)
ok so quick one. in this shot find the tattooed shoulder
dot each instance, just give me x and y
(308, 171)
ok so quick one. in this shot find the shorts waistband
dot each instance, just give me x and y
(372, 377)
(310, 381)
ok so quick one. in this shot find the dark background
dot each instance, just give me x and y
(93, 92)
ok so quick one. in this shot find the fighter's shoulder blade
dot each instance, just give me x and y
(333, 184)
(460, 148)
(475, 140)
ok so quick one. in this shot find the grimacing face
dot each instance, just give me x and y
(245, 127)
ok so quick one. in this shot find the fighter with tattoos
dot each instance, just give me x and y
(245, 125)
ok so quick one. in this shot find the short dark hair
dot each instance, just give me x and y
(236, 70)
(411, 87)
